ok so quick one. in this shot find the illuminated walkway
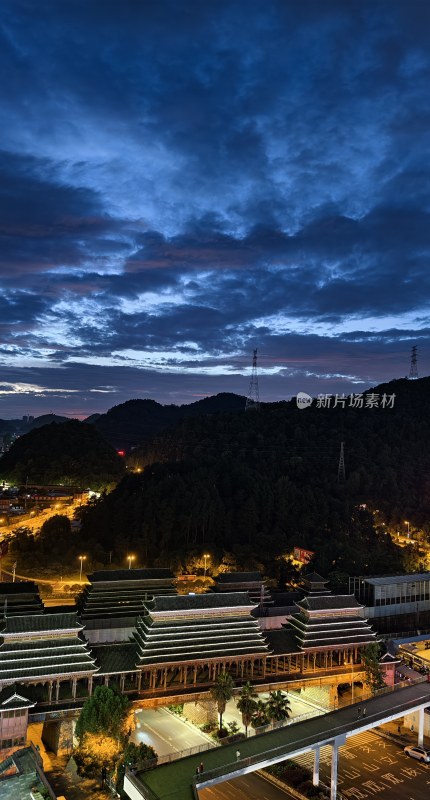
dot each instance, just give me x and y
(179, 780)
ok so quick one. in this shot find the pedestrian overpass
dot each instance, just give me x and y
(179, 779)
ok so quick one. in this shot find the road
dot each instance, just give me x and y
(165, 732)
(250, 787)
(370, 765)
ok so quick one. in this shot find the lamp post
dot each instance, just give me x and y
(130, 559)
(407, 523)
(81, 559)
(205, 556)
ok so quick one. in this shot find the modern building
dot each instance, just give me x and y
(394, 602)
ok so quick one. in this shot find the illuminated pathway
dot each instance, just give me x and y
(179, 780)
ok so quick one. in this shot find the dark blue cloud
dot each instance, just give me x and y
(183, 182)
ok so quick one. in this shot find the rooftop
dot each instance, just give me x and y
(131, 575)
(325, 603)
(390, 579)
(185, 602)
(39, 623)
(238, 577)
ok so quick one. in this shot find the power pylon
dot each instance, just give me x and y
(341, 467)
(253, 399)
(413, 372)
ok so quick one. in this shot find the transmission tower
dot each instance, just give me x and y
(413, 372)
(253, 399)
(341, 467)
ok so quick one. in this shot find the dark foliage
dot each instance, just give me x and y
(259, 483)
(137, 421)
(68, 453)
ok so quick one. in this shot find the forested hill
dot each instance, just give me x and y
(68, 452)
(258, 483)
(137, 421)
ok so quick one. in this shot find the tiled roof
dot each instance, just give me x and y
(115, 657)
(130, 575)
(239, 577)
(188, 639)
(196, 602)
(19, 587)
(39, 623)
(68, 655)
(10, 700)
(314, 577)
(323, 603)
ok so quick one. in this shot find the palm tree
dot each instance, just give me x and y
(259, 716)
(278, 706)
(222, 692)
(247, 704)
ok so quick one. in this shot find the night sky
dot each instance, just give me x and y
(183, 181)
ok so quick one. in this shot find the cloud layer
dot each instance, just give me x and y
(183, 182)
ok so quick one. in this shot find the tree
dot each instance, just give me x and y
(259, 716)
(372, 667)
(103, 713)
(278, 706)
(222, 692)
(135, 756)
(96, 752)
(247, 704)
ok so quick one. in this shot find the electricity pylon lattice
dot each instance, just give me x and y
(341, 467)
(253, 399)
(413, 372)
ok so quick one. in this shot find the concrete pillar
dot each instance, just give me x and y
(57, 690)
(49, 691)
(139, 680)
(316, 772)
(90, 686)
(106, 680)
(122, 682)
(334, 763)
(74, 682)
(421, 727)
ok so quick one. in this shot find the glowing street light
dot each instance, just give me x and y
(81, 559)
(205, 556)
(130, 559)
(407, 523)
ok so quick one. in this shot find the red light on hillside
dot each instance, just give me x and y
(121, 452)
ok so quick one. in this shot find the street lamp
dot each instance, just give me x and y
(407, 523)
(205, 556)
(130, 559)
(81, 559)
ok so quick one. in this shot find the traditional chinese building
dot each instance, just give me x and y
(18, 598)
(13, 720)
(250, 582)
(110, 604)
(191, 638)
(329, 628)
(46, 650)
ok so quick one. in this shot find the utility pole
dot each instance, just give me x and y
(253, 399)
(413, 372)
